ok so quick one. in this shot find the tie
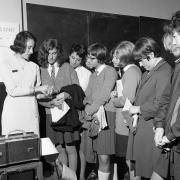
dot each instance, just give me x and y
(53, 72)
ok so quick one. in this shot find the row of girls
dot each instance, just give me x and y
(56, 82)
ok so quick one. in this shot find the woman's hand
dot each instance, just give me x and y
(49, 91)
(134, 110)
(44, 89)
(41, 96)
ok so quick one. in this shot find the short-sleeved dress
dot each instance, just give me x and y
(20, 110)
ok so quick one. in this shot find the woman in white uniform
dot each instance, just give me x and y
(22, 81)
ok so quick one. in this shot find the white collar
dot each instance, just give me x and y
(177, 60)
(100, 68)
(158, 60)
(56, 65)
(128, 66)
(79, 68)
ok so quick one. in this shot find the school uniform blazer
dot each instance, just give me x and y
(70, 121)
(66, 76)
(151, 89)
(173, 132)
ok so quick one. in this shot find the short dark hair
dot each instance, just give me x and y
(124, 51)
(99, 51)
(80, 50)
(20, 41)
(43, 52)
(145, 46)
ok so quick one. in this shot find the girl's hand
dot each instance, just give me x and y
(41, 96)
(57, 102)
(60, 96)
(49, 90)
(159, 132)
(164, 141)
(113, 94)
(67, 95)
(63, 96)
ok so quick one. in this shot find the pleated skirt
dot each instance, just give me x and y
(104, 143)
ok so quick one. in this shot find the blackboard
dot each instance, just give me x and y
(67, 25)
(87, 27)
(152, 27)
(110, 29)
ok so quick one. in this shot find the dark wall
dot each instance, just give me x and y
(153, 27)
(109, 29)
(69, 26)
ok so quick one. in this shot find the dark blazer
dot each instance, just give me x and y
(65, 76)
(173, 131)
(152, 88)
(70, 121)
(150, 91)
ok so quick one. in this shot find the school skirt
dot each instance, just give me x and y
(86, 147)
(104, 143)
(60, 137)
